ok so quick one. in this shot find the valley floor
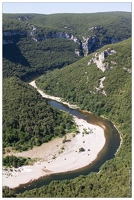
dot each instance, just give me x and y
(56, 156)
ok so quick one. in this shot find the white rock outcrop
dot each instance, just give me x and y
(99, 59)
(88, 43)
(77, 52)
(128, 70)
(101, 86)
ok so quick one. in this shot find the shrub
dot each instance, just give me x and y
(81, 149)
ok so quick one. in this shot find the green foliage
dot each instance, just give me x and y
(92, 185)
(78, 24)
(13, 161)
(116, 106)
(64, 140)
(77, 83)
(10, 24)
(26, 58)
(8, 192)
(28, 120)
(81, 149)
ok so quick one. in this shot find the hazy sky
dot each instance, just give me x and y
(62, 7)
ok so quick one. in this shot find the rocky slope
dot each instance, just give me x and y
(96, 32)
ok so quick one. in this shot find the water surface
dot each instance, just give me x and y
(111, 145)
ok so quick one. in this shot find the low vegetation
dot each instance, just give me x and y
(81, 149)
(13, 161)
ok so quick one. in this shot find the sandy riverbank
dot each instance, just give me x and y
(52, 97)
(57, 156)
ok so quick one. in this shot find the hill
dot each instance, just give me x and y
(28, 120)
(99, 75)
(34, 44)
(78, 24)
(105, 91)
(90, 55)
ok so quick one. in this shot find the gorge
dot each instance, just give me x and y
(97, 150)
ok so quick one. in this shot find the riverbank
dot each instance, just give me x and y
(77, 151)
(58, 99)
(59, 155)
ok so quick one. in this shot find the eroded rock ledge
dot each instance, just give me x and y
(99, 60)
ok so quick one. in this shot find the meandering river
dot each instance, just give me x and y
(110, 148)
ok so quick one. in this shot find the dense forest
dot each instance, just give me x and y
(78, 82)
(78, 24)
(26, 58)
(28, 119)
(34, 44)
(114, 178)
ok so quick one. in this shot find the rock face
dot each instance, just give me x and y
(92, 41)
(87, 45)
(77, 52)
(101, 86)
(99, 59)
(60, 35)
(23, 18)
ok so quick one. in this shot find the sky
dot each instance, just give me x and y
(64, 7)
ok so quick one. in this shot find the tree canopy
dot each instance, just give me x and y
(28, 119)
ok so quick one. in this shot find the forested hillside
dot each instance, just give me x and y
(78, 24)
(80, 82)
(28, 120)
(81, 79)
(27, 58)
(34, 44)
(86, 60)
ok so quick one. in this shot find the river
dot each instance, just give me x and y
(108, 151)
